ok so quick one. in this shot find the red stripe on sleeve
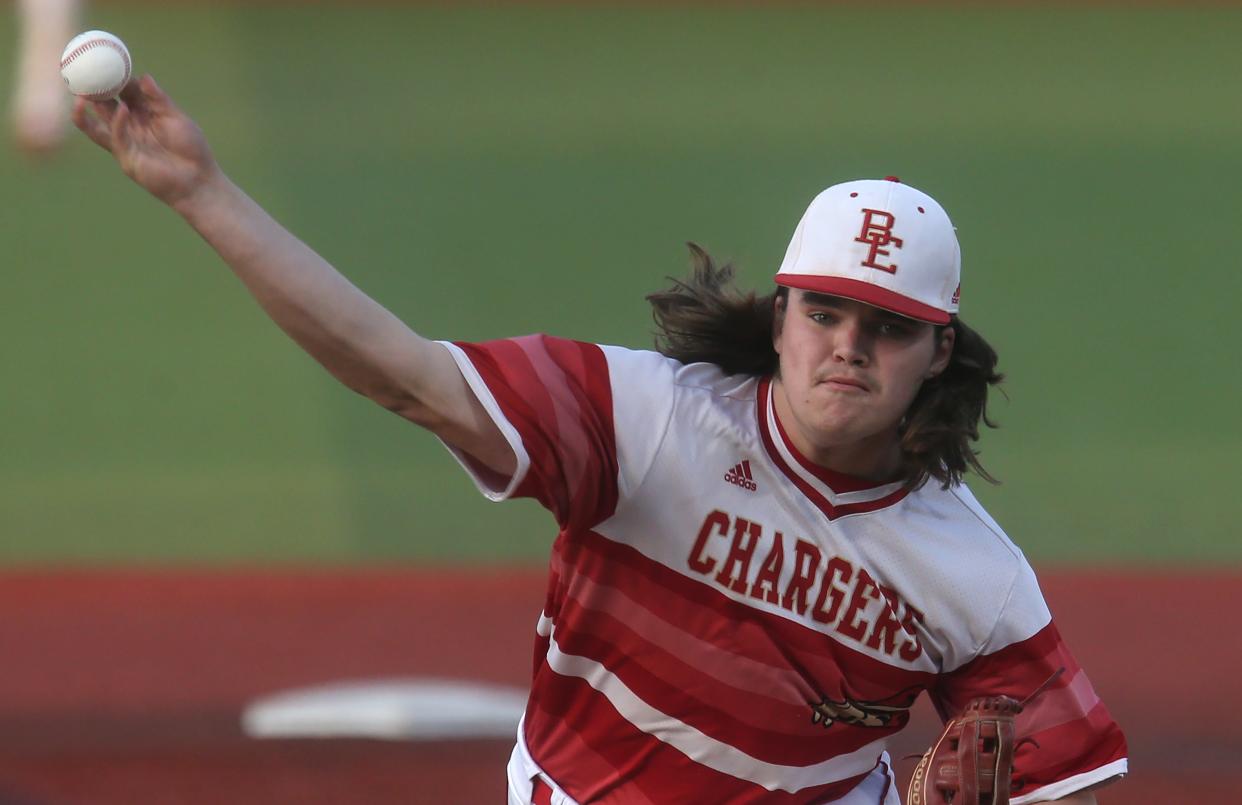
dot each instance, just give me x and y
(1072, 729)
(557, 395)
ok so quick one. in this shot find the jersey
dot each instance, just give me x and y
(725, 621)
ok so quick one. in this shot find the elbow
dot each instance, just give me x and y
(387, 393)
(404, 405)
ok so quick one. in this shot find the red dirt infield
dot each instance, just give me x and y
(126, 686)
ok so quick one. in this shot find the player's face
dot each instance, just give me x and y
(848, 373)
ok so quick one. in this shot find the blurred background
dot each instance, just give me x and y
(493, 170)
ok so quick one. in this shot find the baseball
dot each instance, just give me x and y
(95, 65)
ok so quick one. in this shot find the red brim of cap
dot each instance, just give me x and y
(865, 292)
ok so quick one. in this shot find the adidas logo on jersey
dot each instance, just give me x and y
(740, 476)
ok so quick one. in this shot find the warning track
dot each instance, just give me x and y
(123, 686)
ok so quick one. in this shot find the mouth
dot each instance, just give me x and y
(844, 384)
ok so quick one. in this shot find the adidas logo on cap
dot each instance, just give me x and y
(740, 476)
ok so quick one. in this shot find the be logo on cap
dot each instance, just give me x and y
(878, 235)
(880, 242)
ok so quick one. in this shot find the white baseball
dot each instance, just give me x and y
(95, 65)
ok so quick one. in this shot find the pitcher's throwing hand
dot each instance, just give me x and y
(156, 144)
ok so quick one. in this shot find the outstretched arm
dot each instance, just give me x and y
(363, 345)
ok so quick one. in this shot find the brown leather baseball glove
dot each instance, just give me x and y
(972, 761)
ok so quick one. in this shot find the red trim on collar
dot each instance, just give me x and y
(830, 511)
(838, 482)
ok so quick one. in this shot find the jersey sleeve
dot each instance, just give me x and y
(561, 405)
(1075, 743)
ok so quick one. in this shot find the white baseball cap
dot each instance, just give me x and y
(880, 242)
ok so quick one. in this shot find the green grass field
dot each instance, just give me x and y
(496, 172)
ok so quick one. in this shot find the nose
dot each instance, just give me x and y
(848, 345)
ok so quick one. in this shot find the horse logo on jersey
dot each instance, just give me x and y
(850, 711)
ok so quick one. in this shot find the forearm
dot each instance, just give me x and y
(362, 344)
(367, 348)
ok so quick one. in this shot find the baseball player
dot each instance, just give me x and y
(766, 550)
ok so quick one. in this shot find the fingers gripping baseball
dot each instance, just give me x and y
(156, 144)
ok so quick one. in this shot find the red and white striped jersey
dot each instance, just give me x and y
(727, 622)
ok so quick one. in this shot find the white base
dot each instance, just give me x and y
(394, 709)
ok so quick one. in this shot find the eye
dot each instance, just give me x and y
(819, 317)
(892, 329)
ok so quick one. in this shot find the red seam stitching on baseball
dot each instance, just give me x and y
(94, 43)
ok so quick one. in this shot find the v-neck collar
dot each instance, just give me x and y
(835, 494)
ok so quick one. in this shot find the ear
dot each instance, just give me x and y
(778, 321)
(943, 353)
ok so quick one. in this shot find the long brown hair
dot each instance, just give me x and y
(706, 318)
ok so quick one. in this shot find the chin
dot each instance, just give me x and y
(830, 433)
(836, 416)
